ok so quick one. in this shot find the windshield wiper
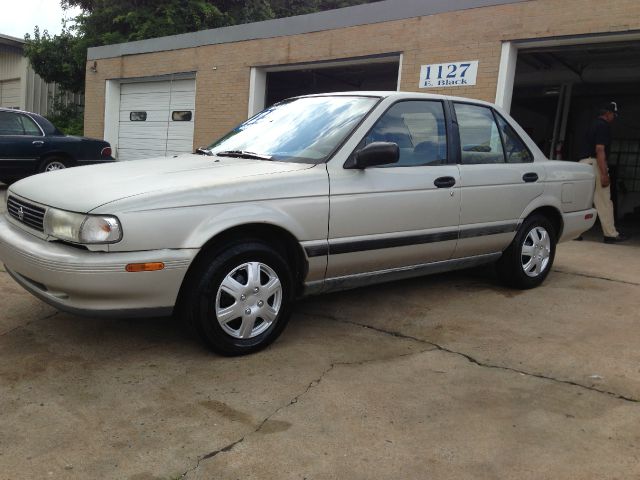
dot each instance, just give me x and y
(203, 151)
(243, 154)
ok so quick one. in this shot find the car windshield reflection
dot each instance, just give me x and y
(307, 129)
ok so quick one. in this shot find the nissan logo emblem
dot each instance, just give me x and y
(20, 214)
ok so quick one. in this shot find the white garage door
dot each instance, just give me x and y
(10, 93)
(156, 118)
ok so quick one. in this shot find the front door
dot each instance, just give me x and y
(401, 214)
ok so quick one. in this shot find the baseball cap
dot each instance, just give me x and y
(610, 107)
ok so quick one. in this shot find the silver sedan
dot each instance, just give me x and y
(316, 193)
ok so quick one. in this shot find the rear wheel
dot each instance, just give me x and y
(529, 258)
(52, 164)
(240, 298)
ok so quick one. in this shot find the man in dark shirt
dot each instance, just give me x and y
(596, 153)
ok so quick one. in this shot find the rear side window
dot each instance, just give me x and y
(515, 149)
(480, 140)
(17, 124)
(418, 128)
(30, 127)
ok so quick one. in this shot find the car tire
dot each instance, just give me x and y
(239, 300)
(528, 260)
(52, 164)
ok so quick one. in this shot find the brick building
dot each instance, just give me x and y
(549, 62)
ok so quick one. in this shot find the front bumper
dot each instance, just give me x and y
(93, 283)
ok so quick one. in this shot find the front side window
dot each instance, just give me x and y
(515, 149)
(480, 140)
(306, 129)
(418, 128)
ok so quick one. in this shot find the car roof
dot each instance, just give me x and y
(400, 95)
(16, 110)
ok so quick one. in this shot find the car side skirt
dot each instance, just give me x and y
(371, 278)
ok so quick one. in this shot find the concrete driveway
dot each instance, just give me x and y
(443, 377)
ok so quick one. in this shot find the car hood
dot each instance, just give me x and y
(82, 189)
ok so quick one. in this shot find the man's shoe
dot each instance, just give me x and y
(579, 239)
(620, 238)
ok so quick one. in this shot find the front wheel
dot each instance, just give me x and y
(529, 258)
(241, 298)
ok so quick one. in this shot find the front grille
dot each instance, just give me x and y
(27, 213)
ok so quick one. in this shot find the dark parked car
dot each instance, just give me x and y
(29, 143)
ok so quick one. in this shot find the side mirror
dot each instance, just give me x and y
(376, 153)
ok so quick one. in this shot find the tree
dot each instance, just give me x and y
(59, 59)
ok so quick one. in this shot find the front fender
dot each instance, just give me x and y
(305, 218)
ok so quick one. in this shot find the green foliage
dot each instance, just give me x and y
(59, 59)
(287, 8)
(69, 118)
(62, 58)
(104, 22)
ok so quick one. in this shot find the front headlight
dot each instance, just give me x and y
(81, 228)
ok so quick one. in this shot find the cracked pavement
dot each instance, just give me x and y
(442, 377)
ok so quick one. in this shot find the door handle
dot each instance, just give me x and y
(530, 177)
(444, 182)
(37, 143)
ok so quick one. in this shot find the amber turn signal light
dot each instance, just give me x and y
(144, 267)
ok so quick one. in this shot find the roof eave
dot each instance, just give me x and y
(364, 14)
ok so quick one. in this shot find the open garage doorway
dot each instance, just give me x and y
(269, 85)
(557, 92)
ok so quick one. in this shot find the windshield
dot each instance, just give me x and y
(298, 130)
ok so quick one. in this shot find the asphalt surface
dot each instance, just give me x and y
(445, 377)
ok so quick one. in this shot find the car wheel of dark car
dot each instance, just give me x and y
(529, 258)
(53, 163)
(241, 298)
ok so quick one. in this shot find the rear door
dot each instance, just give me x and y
(21, 144)
(401, 214)
(498, 177)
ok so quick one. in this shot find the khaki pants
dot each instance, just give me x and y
(602, 201)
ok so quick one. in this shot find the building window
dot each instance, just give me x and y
(138, 116)
(181, 115)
